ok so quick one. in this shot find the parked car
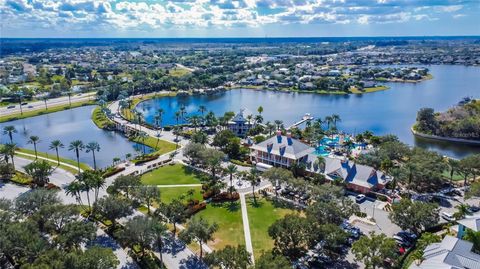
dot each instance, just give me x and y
(24, 104)
(447, 216)
(9, 107)
(360, 198)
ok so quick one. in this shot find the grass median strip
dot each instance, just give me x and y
(38, 112)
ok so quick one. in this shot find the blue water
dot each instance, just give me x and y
(385, 112)
(71, 125)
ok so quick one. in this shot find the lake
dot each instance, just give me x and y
(386, 112)
(67, 126)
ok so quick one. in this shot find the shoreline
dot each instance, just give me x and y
(445, 139)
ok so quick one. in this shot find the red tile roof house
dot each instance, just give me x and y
(283, 151)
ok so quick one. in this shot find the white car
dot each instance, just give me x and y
(447, 216)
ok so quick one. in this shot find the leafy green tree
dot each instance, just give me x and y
(200, 230)
(331, 237)
(194, 152)
(139, 231)
(92, 258)
(374, 249)
(278, 176)
(147, 195)
(174, 212)
(473, 237)
(125, 183)
(113, 208)
(291, 236)
(426, 121)
(253, 178)
(231, 170)
(212, 158)
(57, 144)
(326, 212)
(199, 137)
(34, 140)
(414, 216)
(160, 231)
(31, 202)
(76, 233)
(229, 258)
(269, 260)
(9, 151)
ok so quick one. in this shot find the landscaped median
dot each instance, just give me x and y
(101, 120)
(50, 109)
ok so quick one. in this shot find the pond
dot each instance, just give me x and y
(386, 112)
(71, 125)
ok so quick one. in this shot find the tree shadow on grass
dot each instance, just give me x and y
(258, 202)
(230, 206)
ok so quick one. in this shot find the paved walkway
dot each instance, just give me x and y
(246, 227)
(179, 185)
(47, 159)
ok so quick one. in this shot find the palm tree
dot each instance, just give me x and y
(336, 118)
(77, 146)
(56, 144)
(178, 115)
(160, 231)
(278, 124)
(321, 163)
(462, 211)
(231, 170)
(34, 140)
(252, 177)
(39, 171)
(74, 189)
(202, 109)
(329, 121)
(142, 136)
(9, 150)
(9, 130)
(159, 117)
(92, 147)
(194, 121)
(453, 166)
(69, 93)
(183, 111)
(45, 99)
(270, 127)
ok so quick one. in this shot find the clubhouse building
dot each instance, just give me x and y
(284, 151)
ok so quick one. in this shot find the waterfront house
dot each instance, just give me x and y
(240, 124)
(284, 151)
(450, 253)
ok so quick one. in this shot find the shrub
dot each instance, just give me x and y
(21, 178)
(238, 162)
(112, 171)
(361, 214)
(191, 210)
(145, 158)
(226, 196)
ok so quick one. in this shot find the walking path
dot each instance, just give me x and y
(47, 159)
(246, 227)
(179, 185)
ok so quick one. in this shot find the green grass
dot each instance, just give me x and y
(171, 175)
(100, 119)
(160, 148)
(261, 216)
(167, 195)
(53, 158)
(178, 72)
(368, 90)
(456, 176)
(228, 216)
(37, 112)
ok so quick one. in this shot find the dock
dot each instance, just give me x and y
(305, 118)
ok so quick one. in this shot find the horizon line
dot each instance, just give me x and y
(252, 37)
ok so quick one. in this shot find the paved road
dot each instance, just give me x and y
(4, 111)
(246, 227)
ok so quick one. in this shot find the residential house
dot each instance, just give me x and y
(451, 253)
(468, 223)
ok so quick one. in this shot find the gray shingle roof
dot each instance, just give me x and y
(451, 253)
(284, 146)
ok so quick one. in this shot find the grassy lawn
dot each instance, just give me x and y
(261, 216)
(37, 112)
(161, 147)
(456, 176)
(368, 90)
(171, 175)
(228, 216)
(53, 158)
(167, 195)
(178, 72)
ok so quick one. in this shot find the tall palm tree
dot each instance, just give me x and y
(39, 171)
(335, 118)
(453, 166)
(69, 93)
(45, 99)
(183, 111)
(328, 120)
(9, 130)
(278, 124)
(178, 116)
(34, 140)
(194, 121)
(9, 150)
(56, 144)
(252, 177)
(92, 147)
(231, 170)
(270, 127)
(159, 118)
(321, 163)
(202, 109)
(142, 136)
(77, 146)
(75, 189)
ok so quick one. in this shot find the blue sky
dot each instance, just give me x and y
(238, 18)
